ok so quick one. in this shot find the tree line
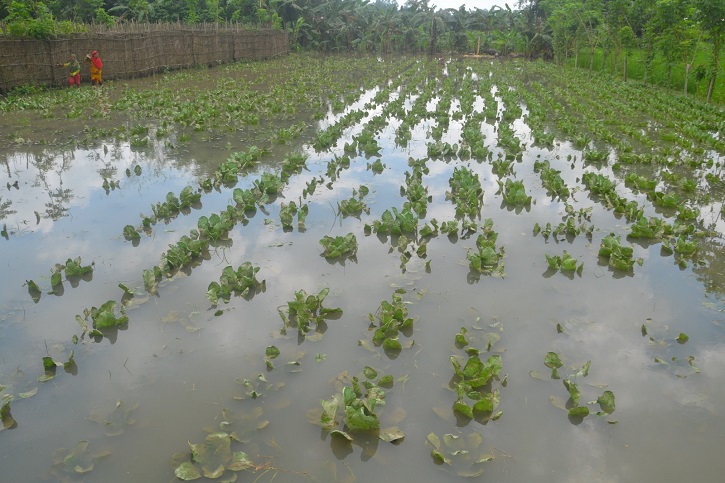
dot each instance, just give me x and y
(667, 32)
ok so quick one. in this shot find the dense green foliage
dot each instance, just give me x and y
(676, 43)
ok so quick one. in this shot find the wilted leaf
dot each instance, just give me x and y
(340, 434)
(391, 435)
(433, 440)
(187, 471)
(29, 394)
(606, 402)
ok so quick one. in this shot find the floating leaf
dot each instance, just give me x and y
(336, 433)
(682, 338)
(606, 402)
(29, 394)
(392, 435)
(187, 471)
(272, 352)
(5, 417)
(552, 360)
(370, 373)
(579, 411)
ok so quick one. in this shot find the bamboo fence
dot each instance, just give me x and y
(134, 50)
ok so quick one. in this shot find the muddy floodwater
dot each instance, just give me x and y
(452, 269)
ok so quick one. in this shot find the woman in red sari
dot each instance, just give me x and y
(96, 68)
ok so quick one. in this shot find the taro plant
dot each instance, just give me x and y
(68, 463)
(487, 258)
(104, 317)
(574, 408)
(376, 167)
(213, 458)
(182, 254)
(460, 451)
(306, 309)
(619, 257)
(288, 212)
(293, 164)
(466, 192)
(392, 318)
(472, 382)
(551, 180)
(242, 281)
(248, 200)
(216, 227)
(339, 247)
(359, 409)
(269, 184)
(354, 206)
(395, 223)
(565, 263)
(514, 192)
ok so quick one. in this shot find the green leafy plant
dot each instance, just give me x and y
(242, 281)
(306, 309)
(339, 247)
(619, 257)
(213, 458)
(392, 318)
(487, 258)
(514, 192)
(565, 263)
(466, 192)
(472, 382)
(395, 223)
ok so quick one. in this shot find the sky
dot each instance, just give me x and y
(470, 4)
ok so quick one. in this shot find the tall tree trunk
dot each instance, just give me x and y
(712, 87)
(687, 77)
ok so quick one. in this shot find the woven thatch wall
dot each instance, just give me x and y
(133, 51)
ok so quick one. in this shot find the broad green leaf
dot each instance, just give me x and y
(463, 409)
(573, 390)
(5, 416)
(49, 363)
(187, 471)
(606, 402)
(392, 344)
(359, 420)
(386, 381)
(552, 360)
(439, 458)
(682, 338)
(579, 411)
(272, 352)
(370, 373)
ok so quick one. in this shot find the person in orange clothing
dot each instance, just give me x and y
(96, 68)
(74, 71)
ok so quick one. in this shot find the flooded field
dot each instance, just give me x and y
(362, 269)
